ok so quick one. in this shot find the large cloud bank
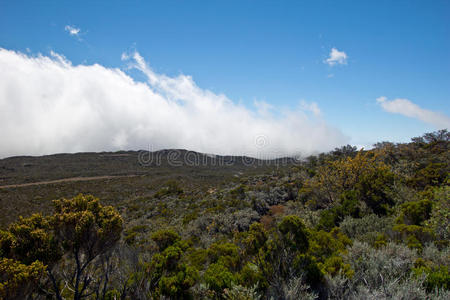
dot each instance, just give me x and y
(48, 105)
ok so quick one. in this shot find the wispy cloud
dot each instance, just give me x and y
(409, 109)
(49, 105)
(336, 58)
(311, 107)
(72, 30)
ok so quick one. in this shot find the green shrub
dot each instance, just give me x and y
(307, 265)
(415, 236)
(439, 220)
(250, 275)
(218, 277)
(328, 219)
(349, 206)
(436, 278)
(335, 265)
(225, 253)
(415, 212)
(178, 284)
(326, 244)
(165, 238)
(294, 233)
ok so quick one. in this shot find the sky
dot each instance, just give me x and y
(260, 78)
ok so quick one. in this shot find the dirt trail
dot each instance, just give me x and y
(63, 180)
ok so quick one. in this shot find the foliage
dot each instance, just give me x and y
(168, 275)
(238, 292)
(18, 280)
(439, 220)
(165, 238)
(30, 239)
(171, 188)
(293, 233)
(218, 277)
(364, 176)
(436, 277)
(415, 212)
(80, 228)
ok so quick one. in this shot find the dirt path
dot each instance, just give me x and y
(64, 180)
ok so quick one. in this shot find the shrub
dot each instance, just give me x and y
(238, 292)
(440, 258)
(178, 284)
(17, 280)
(306, 265)
(373, 268)
(415, 236)
(218, 277)
(358, 228)
(81, 229)
(251, 276)
(296, 288)
(335, 265)
(392, 289)
(326, 244)
(436, 278)
(439, 221)
(225, 253)
(415, 212)
(165, 238)
(294, 233)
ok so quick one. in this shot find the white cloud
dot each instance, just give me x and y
(336, 57)
(48, 105)
(407, 108)
(263, 108)
(312, 107)
(72, 30)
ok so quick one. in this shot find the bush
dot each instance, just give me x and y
(238, 292)
(349, 206)
(326, 244)
(439, 221)
(294, 233)
(17, 280)
(415, 212)
(165, 238)
(374, 267)
(436, 278)
(251, 276)
(225, 253)
(296, 288)
(355, 228)
(415, 236)
(218, 277)
(178, 284)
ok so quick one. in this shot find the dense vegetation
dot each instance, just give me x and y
(341, 225)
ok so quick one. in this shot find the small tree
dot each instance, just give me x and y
(66, 243)
(85, 230)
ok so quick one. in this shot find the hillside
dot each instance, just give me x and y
(28, 184)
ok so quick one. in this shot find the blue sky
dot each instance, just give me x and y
(271, 51)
